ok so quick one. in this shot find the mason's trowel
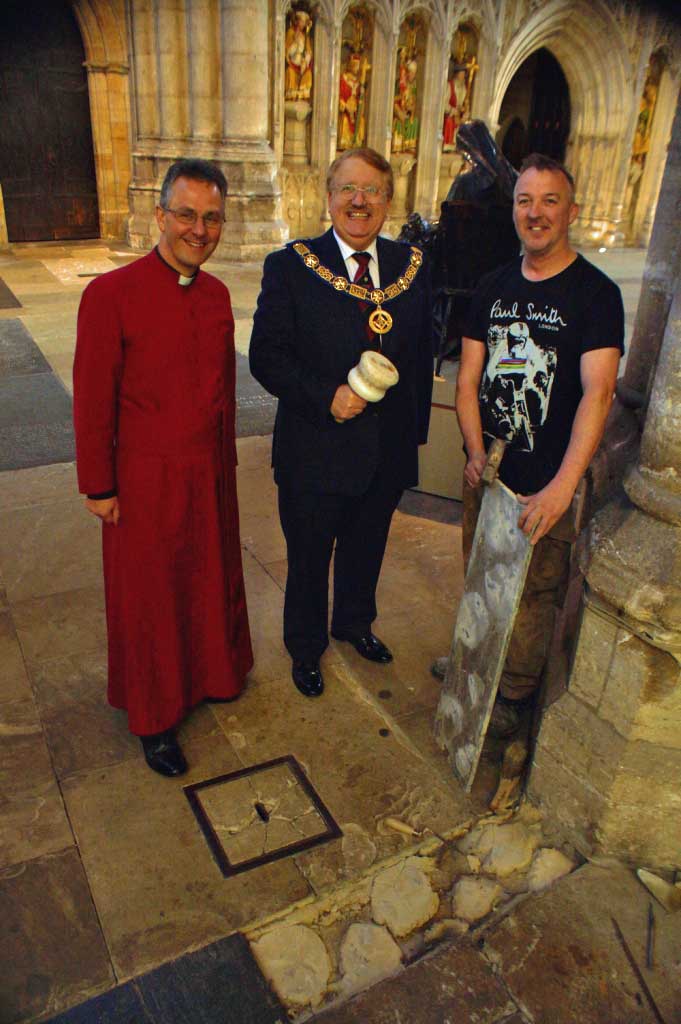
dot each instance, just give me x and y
(499, 560)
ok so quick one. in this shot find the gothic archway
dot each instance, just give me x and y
(536, 109)
(103, 30)
(600, 99)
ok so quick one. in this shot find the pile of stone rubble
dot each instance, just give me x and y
(328, 948)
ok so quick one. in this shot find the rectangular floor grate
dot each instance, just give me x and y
(261, 814)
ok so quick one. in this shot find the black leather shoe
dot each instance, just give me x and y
(369, 646)
(163, 753)
(308, 678)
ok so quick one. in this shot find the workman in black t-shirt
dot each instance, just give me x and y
(538, 369)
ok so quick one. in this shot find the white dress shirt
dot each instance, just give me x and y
(352, 264)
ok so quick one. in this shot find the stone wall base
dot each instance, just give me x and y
(607, 762)
(254, 224)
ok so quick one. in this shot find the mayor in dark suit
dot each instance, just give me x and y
(340, 463)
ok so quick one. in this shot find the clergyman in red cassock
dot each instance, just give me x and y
(154, 412)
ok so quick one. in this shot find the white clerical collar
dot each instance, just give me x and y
(348, 250)
(181, 279)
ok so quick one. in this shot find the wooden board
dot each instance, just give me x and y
(494, 583)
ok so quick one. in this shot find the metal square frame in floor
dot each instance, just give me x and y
(332, 830)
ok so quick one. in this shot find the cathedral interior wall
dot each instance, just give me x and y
(218, 78)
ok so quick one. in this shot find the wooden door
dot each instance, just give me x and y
(47, 167)
(550, 114)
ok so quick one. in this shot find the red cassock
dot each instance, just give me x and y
(154, 411)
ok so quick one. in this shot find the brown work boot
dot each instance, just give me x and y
(439, 667)
(508, 716)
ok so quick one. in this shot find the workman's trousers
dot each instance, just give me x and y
(312, 523)
(543, 596)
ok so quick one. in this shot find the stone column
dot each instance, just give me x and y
(204, 70)
(663, 266)
(144, 55)
(172, 69)
(202, 92)
(110, 112)
(608, 757)
(4, 241)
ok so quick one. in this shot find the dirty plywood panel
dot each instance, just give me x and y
(498, 566)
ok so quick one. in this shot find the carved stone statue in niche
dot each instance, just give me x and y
(644, 124)
(405, 129)
(298, 53)
(298, 49)
(354, 80)
(463, 66)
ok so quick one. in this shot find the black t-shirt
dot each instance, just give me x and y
(536, 333)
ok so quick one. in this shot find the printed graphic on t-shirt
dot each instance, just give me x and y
(516, 386)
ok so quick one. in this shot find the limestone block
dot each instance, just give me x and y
(474, 898)
(512, 850)
(368, 954)
(446, 928)
(503, 849)
(642, 694)
(359, 852)
(402, 897)
(607, 794)
(581, 742)
(295, 961)
(547, 867)
(596, 640)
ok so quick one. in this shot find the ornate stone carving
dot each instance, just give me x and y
(353, 95)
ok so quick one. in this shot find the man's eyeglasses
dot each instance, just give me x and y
(371, 193)
(190, 217)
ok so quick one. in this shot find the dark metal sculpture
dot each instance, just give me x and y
(474, 235)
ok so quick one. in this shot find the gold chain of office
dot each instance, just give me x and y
(380, 321)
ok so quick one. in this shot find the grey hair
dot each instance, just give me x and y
(195, 170)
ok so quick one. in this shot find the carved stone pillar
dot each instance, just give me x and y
(608, 754)
(210, 99)
(4, 241)
(110, 109)
(204, 65)
(172, 52)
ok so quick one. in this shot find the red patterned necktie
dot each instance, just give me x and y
(363, 277)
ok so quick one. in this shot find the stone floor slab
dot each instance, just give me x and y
(32, 816)
(34, 398)
(452, 985)
(157, 889)
(49, 549)
(14, 683)
(361, 775)
(52, 953)
(82, 730)
(38, 485)
(19, 354)
(61, 624)
(8, 299)
(219, 983)
(562, 960)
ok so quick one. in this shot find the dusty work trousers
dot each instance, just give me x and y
(544, 594)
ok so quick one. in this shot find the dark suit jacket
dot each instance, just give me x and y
(306, 337)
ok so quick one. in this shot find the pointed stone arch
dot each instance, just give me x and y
(103, 28)
(600, 99)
